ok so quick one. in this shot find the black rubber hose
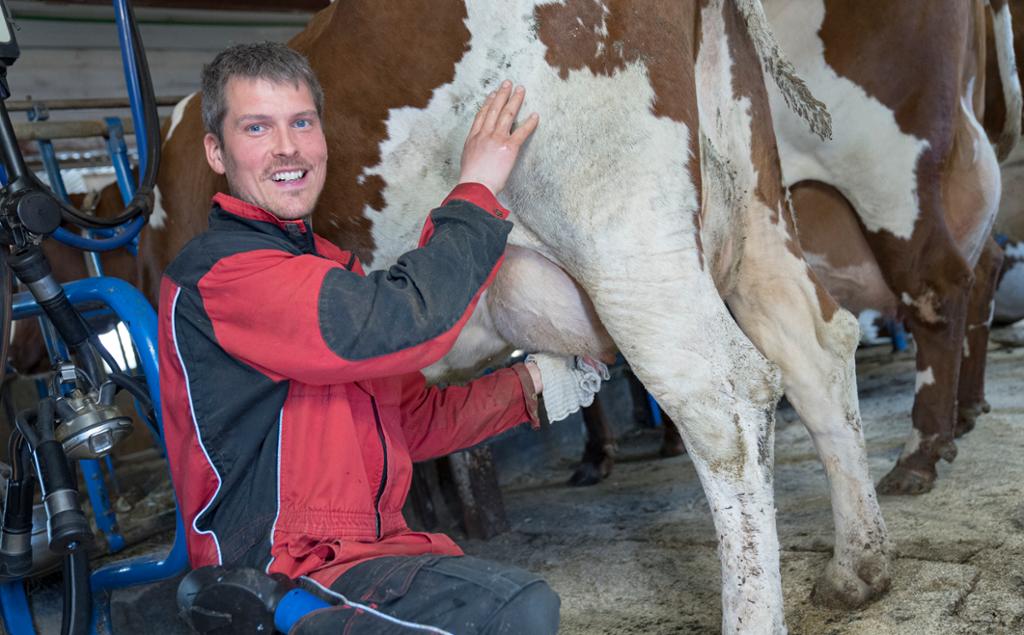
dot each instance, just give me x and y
(6, 313)
(141, 394)
(45, 419)
(24, 422)
(77, 594)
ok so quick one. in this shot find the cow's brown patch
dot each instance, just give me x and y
(186, 184)
(394, 54)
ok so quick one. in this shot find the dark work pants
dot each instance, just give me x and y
(460, 595)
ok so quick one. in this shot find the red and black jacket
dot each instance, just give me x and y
(293, 404)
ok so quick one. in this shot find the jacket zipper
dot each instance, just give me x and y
(384, 469)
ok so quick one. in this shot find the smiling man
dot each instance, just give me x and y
(293, 401)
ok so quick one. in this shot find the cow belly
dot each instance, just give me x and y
(837, 252)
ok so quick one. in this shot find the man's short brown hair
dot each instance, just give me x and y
(271, 61)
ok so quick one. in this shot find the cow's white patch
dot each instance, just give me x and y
(177, 113)
(923, 378)
(159, 216)
(912, 444)
(869, 159)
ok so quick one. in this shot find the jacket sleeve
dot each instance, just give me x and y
(438, 421)
(309, 319)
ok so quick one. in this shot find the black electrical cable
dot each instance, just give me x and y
(77, 612)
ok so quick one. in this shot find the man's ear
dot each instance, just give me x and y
(214, 153)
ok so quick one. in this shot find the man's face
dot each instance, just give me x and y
(273, 152)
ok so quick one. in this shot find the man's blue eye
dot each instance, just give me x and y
(303, 123)
(254, 128)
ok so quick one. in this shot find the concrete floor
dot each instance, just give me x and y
(639, 555)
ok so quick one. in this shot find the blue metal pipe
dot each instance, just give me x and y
(106, 520)
(15, 610)
(53, 169)
(131, 78)
(118, 151)
(126, 235)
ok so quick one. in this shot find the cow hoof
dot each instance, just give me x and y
(851, 587)
(587, 474)
(904, 481)
(672, 448)
(968, 415)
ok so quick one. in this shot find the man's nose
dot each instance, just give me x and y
(284, 142)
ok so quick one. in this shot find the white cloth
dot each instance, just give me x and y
(569, 383)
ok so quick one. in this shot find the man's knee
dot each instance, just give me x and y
(535, 609)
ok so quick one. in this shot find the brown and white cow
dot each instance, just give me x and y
(895, 211)
(648, 206)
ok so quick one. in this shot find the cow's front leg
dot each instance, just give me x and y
(971, 395)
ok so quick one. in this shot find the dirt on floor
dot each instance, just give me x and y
(637, 553)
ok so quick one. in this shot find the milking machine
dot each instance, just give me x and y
(76, 418)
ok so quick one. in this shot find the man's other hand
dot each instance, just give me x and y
(492, 146)
(568, 383)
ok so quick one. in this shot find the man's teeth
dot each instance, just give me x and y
(289, 176)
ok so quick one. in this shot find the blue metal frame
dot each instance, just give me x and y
(131, 79)
(118, 151)
(136, 312)
(15, 610)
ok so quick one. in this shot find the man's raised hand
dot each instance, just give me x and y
(492, 146)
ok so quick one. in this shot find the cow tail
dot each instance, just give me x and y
(1003, 31)
(795, 91)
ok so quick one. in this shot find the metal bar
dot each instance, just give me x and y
(131, 79)
(53, 169)
(100, 103)
(128, 232)
(136, 312)
(101, 508)
(37, 130)
(118, 151)
(17, 617)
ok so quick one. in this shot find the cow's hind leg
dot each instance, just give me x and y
(680, 340)
(971, 395)
(789, 316)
